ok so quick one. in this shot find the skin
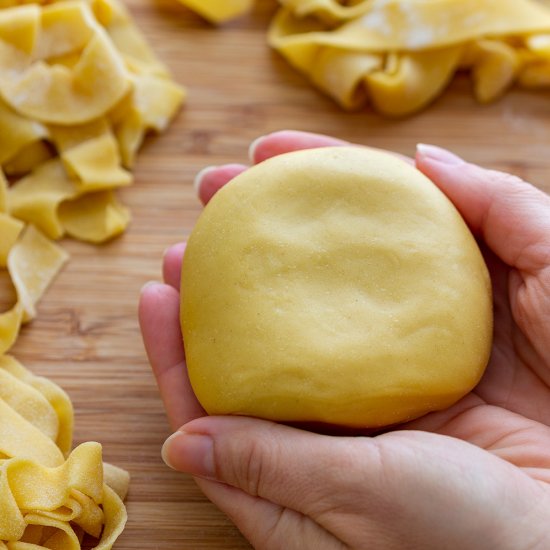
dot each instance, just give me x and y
(475, 476)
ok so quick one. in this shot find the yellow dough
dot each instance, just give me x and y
(401, 54)
(334, 285)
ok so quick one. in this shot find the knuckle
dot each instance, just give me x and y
(506, 179)
(254, 464)
(253, 468)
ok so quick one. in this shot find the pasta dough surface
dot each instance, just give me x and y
(334, 285)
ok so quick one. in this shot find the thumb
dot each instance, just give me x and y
(337, 492)
(512, 216)
(274, 482)
(286, 466)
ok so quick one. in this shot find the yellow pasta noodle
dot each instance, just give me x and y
(57, 419)
(46, 259)
(150, 106)
(54, 93)
(48, 497)
(79, 90)
(219, 11)
(401, 54)
(17, 132)
(10, 228)
(32, 263)
(28, 158)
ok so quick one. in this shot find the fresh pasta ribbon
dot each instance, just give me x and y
(401, 54)
(29, 248)
(80, 89)
(51, 497)
(149, 107)
(84, 88)
(59, 204)
(219, 11)
(39, 402)
(52, 507)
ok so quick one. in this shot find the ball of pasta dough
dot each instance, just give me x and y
(337, 286)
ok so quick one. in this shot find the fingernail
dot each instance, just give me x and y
(178, 248)
(190, 453)
(200, 177)
(439, 154)
(149, 284)
(253, 147)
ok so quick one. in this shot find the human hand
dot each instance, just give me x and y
(474, 476)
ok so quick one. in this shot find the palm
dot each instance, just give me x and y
(508, 413)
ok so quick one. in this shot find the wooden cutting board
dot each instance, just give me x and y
(86, 336)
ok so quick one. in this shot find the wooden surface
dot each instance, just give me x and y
(86, 336)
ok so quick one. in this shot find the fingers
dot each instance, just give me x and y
(287, 466)
(211, 179)
(160, 327)
(512, 216)
(400, 486)
(171, 265)
(265, 524)
(286, 141)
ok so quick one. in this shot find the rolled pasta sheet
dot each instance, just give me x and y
(401, 54)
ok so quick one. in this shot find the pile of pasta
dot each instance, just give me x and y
(400, 55)
(79, 90)
(50, 497)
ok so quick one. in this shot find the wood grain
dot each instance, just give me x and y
(86, 336)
